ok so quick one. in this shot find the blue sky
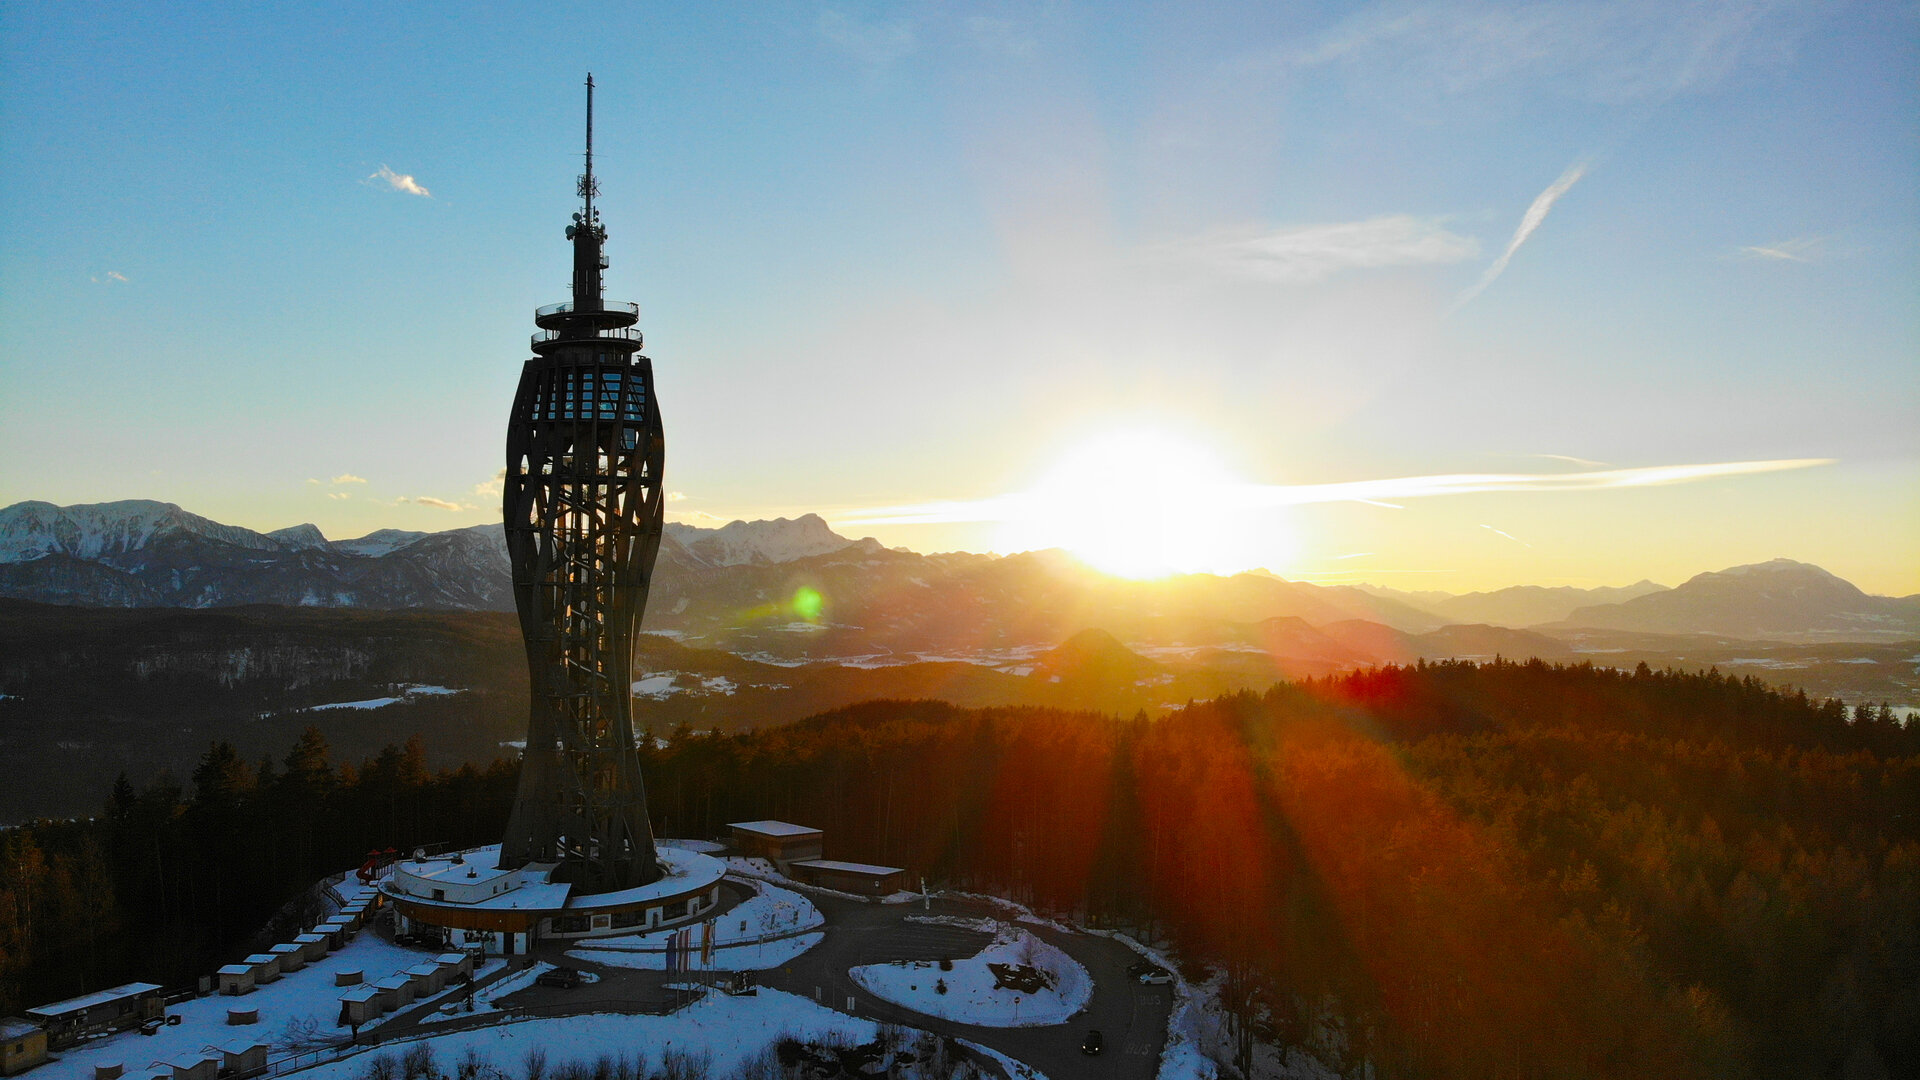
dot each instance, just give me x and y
(916, 254)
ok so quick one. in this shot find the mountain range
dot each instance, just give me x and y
(795, 590)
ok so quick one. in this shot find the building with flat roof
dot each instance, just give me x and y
(467, 899)
(23, 1044)
(778, 842)
(865, 879)
(128, 1005)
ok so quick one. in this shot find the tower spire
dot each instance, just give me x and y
(586, 232)
(588, 189)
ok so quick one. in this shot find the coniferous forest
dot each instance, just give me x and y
(1495, 870)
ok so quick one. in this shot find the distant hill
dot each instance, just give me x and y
(758, 542)
(1379, 644)
(734, 586)
(1781, 600)
(1518, 605)
(793, 590)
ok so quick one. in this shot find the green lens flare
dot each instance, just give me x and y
(807, 603)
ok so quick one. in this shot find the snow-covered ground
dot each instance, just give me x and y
(732, 1032)
(406, 692)
(485, 999)
(661, 685)
(301, 1006)
(368, 703)
(968, 994)
(1018, 1070)
(740, 936)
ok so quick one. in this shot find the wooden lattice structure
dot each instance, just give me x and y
(583, 507)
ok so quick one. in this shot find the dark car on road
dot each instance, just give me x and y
(565, 978)
(1094, 1042)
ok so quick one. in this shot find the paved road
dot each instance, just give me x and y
(1132, 1018)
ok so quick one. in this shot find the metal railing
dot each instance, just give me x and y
(563, 308)
(617, 333)
(307, 1059)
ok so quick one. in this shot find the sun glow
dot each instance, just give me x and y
(1137, 502)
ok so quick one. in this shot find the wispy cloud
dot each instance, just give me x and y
(1617, 52)
(1508, 535)
(492, 487)
(873, 44)
(1535, 214)
(437, 504)
(676, 496)
(1800, 249)
(1571, 460)
(1303, 253)
(1263, 496)
(339, 494)
(1002, 36)
(348, 478)
(401, 182)
(110, 277)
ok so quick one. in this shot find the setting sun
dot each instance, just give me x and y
(1138, 502)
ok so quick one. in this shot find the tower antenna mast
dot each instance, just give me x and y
(588, 189)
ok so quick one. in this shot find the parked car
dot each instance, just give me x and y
(1094, 1042)
(1156, 976)
(565, 978)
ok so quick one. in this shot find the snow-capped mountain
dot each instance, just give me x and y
(300, 536)
(740, 585)
(377, 542)
(109, 532)
(141, 553)
(739, 543)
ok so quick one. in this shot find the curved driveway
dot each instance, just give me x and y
(1131, 1017)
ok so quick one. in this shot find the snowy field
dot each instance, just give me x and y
(406, 691)
(739, 935)
(301, 1007)
(664, 684)
(968, 994)
(732, 1033)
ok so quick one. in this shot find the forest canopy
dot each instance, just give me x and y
(1477, 870)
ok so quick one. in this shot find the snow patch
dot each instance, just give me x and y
(971, 993)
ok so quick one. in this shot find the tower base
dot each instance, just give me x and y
(464, 898)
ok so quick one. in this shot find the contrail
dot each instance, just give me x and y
(1536, 214)
(1508, 535)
